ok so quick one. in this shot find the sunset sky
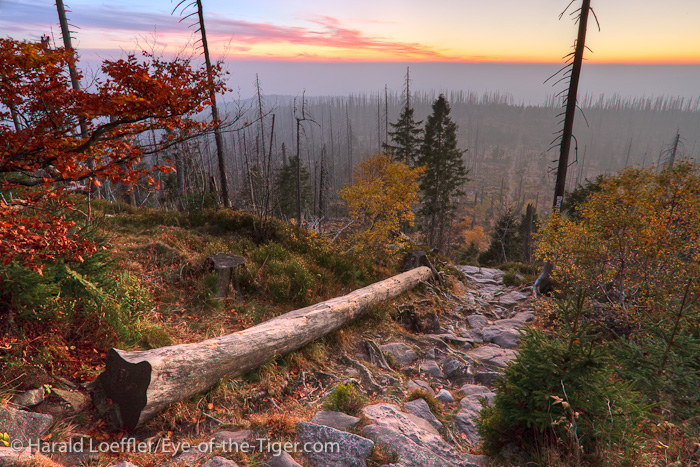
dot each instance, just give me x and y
(632, 31)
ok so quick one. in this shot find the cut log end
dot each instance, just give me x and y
(141, 383)
(126, 386)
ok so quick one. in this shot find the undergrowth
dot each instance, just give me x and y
(147, 286)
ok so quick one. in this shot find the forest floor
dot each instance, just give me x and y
(433, 343)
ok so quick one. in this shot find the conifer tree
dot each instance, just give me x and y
(286, 185)
(406, 137)
(444, 174)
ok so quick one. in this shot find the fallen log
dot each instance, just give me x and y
(142, 383)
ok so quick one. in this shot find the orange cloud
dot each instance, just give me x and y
(330, 40)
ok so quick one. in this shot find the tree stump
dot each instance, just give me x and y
(225, 266)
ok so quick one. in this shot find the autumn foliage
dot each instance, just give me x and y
(634, 243)
(379, 201)
(43, 149)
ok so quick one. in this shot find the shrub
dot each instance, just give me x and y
(560, 392)
(345, 398)
(510, 278)
(288, 281)
(634, 243)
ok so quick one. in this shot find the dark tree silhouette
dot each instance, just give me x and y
(406, 135)
(444, 173)
(574, 69)
(199, 11)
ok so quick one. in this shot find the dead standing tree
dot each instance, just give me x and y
(299, 128)
(199, 11)
(75, 83)
(573, 72)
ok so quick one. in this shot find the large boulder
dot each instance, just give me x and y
(327, 447)
(24, 426)
(415, 441)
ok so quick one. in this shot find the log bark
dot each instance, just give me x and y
(142, 383)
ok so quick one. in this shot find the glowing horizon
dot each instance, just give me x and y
(391, 31)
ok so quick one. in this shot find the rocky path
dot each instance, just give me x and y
(456, 365)
(449, 360)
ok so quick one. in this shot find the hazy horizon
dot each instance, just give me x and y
(524, 82)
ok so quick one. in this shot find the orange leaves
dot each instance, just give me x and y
(34, 239)
(635, 242)
(69, 136)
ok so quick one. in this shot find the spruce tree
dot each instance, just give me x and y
(406, 137)
(444, 175)
(286, 188)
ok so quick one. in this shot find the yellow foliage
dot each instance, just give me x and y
(477, 236)
(637, 242)
(379, 202)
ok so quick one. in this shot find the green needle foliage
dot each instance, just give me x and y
(444, 175)
(561, 393)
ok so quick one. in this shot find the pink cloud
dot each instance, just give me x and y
(322, 31)
(330, 33)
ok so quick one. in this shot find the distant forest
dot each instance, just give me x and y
(507, 143)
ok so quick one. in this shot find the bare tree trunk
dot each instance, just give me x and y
(75, 82)
(672, 158)
(567, 134)
(214, 111)
(527, 246)
(142, 383)
(565, 146)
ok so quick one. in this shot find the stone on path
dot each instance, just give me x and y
(469, 409)
(283, 459)
(430, 368)
(338, 420)
(353, 450)
(232, 438)
(474, 336)
(445, 396)
(524, 316)
(402, 353)
(415, 441)
(419, 385)
(512, 298)
(123, 464)
(505, 335)
(420, 408)
(477, 321)
(491, 355)
(218, 461)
